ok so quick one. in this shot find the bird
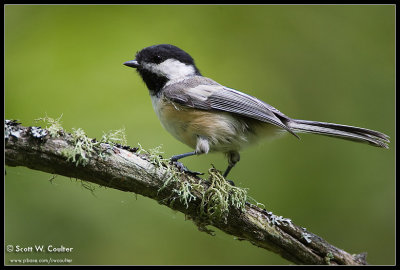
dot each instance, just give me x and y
(210, 117)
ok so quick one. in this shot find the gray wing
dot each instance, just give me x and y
(206, 94)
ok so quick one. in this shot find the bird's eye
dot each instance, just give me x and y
(157, 59)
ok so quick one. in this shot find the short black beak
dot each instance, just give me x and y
(132, 63)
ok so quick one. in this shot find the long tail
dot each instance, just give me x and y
(357, 134)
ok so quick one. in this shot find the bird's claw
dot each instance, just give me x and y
(230, 182)
(183, 168)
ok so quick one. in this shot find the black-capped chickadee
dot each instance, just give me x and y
(208, 116)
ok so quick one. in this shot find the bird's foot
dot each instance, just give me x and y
(230, 182)
(183, 168)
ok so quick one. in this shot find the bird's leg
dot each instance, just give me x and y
(202, 147)
(177, 157)
(233, 158)
(230, 166)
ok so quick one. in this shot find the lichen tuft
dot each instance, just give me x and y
(217, 195)
(220, 196)
(82, 149)
(53, 126)
(117, 136)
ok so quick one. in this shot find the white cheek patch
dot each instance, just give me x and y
(171, 68)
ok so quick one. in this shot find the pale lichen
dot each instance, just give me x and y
(82, 149)
(306, 236)
(11, 129)
(329, 256)
(278, 220)
(38, 132)
(217, 195)
(53, 126)
(117, 136)
(220, 196)
(183, 189)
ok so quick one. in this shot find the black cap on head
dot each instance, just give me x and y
(159, 53)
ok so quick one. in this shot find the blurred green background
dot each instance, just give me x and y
(330, 63)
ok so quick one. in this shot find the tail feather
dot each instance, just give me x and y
(364, 135)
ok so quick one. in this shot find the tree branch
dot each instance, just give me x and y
(125, 169)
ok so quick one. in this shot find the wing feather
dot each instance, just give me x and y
(203, 93)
